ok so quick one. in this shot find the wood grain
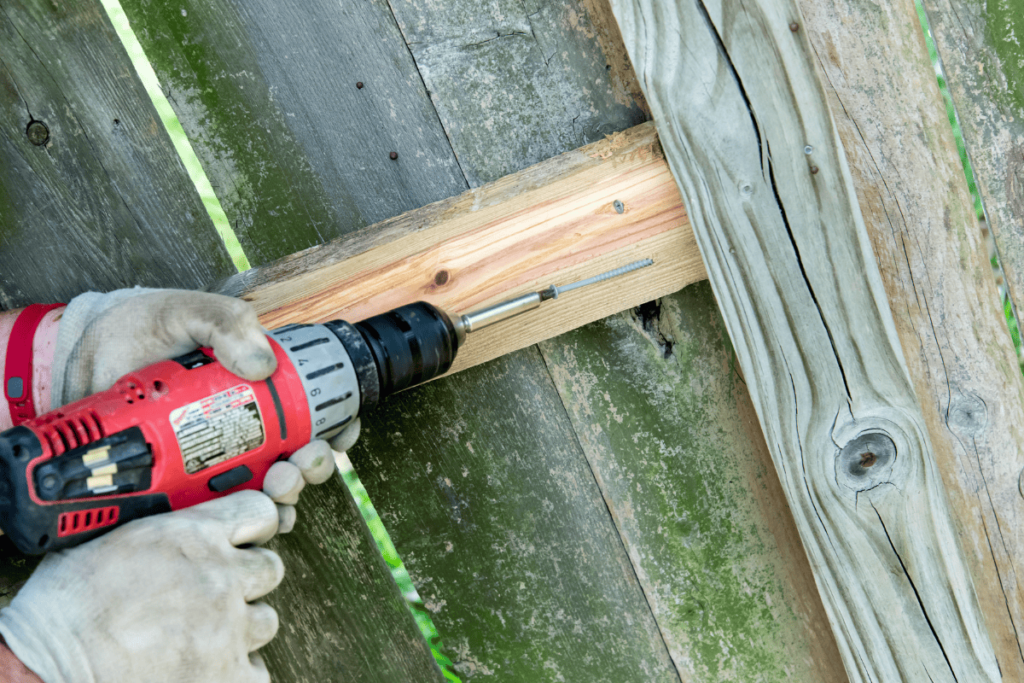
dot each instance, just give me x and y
(934, 263)
(791, 264)
(984, 62)
(516, 82)
(342, 616)
(481, 482)
(553, 223)
(667, 426)
(90, 208)
(266, 91)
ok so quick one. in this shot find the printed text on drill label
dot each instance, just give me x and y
(218, 427)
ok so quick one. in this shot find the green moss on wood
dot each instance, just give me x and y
(206, 66)
(1004, 33)
(667, 427)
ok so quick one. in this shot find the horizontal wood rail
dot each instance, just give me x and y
(570, 217)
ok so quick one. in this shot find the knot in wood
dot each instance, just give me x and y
(967, 415)
(866, 461)
(37, 132)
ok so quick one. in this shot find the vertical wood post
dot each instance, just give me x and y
(749, 136)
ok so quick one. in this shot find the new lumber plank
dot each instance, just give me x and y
(791, 264)
(103, 201)
(552, 223)
(934, 259)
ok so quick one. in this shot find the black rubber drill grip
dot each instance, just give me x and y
(410, 345)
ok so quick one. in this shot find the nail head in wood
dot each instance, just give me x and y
(814, 170)
(393, 155)
(38, 133)
(794, 27)
(359, 85)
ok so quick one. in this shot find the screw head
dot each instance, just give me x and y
(814, 170)
(619, 206)
(393, 155)
(359, 84)
(37, 132)
(808, 149)
(49, 481)
(794, 27)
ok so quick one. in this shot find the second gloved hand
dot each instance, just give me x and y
(171, 598)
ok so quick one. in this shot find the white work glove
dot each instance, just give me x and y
(165, 599)
(103, 337)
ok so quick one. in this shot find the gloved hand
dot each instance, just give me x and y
(102, 337)
(165, 599)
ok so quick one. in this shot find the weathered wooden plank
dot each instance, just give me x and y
(102, 201)
(984, 60)
(668, 429)
(342, 616)
(481, 482)
(517, 82)
(791, 264)
(266, 92)
(553, 223)
(104, 205)
(934, 263)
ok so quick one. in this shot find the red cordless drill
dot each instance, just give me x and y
(184, 431)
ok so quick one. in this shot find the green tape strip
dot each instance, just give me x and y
(177, 134)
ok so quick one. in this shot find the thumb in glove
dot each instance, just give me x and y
(105, 336)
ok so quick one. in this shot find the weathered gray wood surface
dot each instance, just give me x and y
(482, 484)
(982, 55)
(934, 262)
(514, 82)
(266, 92)
(665, 420)
(342, 614)
(341, 617)
(580, 564)
(105, 201)
(790, 260)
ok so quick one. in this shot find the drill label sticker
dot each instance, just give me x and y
(218, 427)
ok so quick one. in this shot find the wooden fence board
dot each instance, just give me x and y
(266, 92)
(934, 264)
(659, 407)
(516, 82)
(790, 260)
(342, 616)
(89, 208)
(984, 60)
(480, 480)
